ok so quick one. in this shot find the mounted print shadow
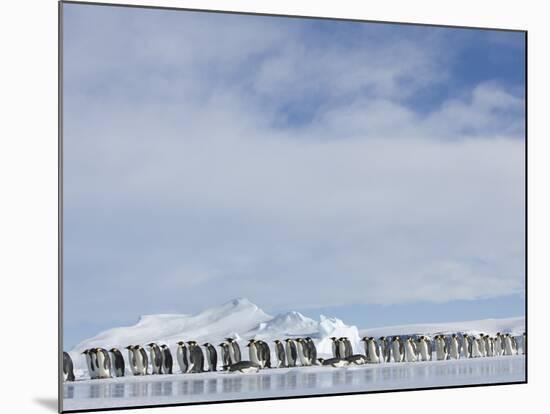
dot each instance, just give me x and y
(259, 206)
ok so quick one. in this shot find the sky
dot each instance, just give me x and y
(374, 172)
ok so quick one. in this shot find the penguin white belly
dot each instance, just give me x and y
(396, 352)
(248, 370)
(232, 354)
(454, 351)
(508, 348)
(475, 349)
(340, 364)
(254, 355)
(410, 355)
(498, 346)
(423, 351)
(440, 350)
(342, 349)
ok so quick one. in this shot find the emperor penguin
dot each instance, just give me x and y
(357, 359)
(481, 345)
(466, 346)
(384, 348)
(291, 352)
(226, 359)
(312, 351)
(254, 352)
(454, 347)
(499, 349)
(397, 350)
(167, 360)
(280, 353)
(156, 358)
(234, 350)
(104, 363)
(489, 346)
(91, 361)
(476, 344)
(302, 352)
(196, 357)
(441, 351)
(508, 345)
(68, 371)
(142, 362)
(346, 349)
(244, 367)
(117, 362)
(410, 350)
(335, 347)
(524, 343)
(333, 362)
(424, 349)
(265, 353)
(132, 360)
(182, 357)
(211, 356)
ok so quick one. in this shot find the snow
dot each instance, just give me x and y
(223, 386)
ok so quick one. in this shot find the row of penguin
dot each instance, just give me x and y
(292, 352)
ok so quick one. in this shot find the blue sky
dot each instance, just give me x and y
(373, 172)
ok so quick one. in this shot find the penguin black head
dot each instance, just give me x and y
(129, 347)
(382, 338)
(277, 341)
(85, 352)
(164, 346)
(333, 338)
(308, 338)
(180, 343)
(229, 340)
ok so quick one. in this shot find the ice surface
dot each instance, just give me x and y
(188, 388)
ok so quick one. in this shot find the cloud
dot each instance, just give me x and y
(184, 187)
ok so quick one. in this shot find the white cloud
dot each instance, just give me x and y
(371, 201)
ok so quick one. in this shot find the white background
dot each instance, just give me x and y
(28, 203)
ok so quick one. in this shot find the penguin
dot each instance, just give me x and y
(410, 350)
(454, 347)
(117, 362)
(211, 356)
(244, 367)
(397, 350)
(167, 360)
(156, 358)
(182, 357)
(333, 362)
(142, 361)
(291, 352)
(440, 347)
(481, 345)
(91, 361)
(424, 349)
(475, 347)
(489, 346)
(346, 349)
(226, 359)
(466, 346)
(524, 344)
(302, 352)
(335, 347)
(312, 351)
(280, 353)
(357, 359)
(234, 350)
(265, 353)
(498, 348)
(508, 345)
(385, 349)
(132, 360)
(196, 357)
(103, 363)
(68, 371)
(253, 352)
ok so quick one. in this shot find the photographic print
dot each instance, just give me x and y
(261, 206)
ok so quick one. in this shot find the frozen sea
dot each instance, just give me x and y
(192, 388)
